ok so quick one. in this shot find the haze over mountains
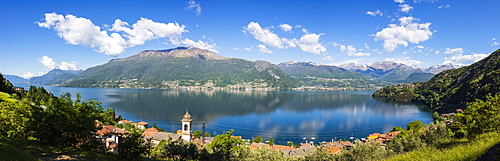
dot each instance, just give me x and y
(189, 66)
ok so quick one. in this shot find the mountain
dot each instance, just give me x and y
(328, 76)
(182, 67)
(384, 71)
(439, 68)
(453, 88)
(47, 79)
(16, 80)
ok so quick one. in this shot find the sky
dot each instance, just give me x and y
(38, 36)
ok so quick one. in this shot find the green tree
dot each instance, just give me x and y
(225, 147)
(5, 85)
(483, 116)
(16, 118)
(397, 128)
(179, 150)
(132, 147)
(207, 134)
(271, 141)
(197, 134)
(415, 126)
(367, 151)
(257, 139)
(290, 143)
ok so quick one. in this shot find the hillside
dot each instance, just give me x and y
(328, 76)
(182, 67)
(454, 88)
(50, 77)
(16, 80)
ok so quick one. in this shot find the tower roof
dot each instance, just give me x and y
(186, 117)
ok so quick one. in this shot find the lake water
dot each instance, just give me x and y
(285, 116)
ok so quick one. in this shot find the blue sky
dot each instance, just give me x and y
(37, 36)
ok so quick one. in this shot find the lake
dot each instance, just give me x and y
(284, 115)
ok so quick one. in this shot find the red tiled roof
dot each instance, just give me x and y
(141, 123)
(126, 121)
(150, 132)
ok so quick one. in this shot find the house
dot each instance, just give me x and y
(157, 137)
(141, 125)
(110, 136)
(125, 121)
(305, 149)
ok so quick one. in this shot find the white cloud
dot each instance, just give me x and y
(399, 1)
(263, 49)
(81, 31)
(304, 30)
(420, 47)
(267, 37)
(145, 29)
(404, 60)
(50, 64)
(248, 49)
(406, 32)
(327, 58)
(459, 59)
(200, 44)
(351, 51)
(286, 27)
(192, 5)
(444, 6)
(495, 43)
(28, 75)
(454, 51)
(405, 8)
(374, 13)
(310, 43)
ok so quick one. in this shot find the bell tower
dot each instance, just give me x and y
(186, 127)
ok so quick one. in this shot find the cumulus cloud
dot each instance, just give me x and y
(50, 64)
(460, 59)
(399, 1)
(81, 31)
(405, 8)
(308, 42)
(28, 75)
(286, 27)
(454, 51)
(374, 13)
(404, 60)
(263, 49)
(145, 29)
(200, 44)
(192, 5)
(267, 37)
(406, 32)
(351, 51)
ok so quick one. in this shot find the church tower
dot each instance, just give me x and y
(186, 127)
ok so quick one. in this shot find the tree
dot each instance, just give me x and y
(271, 141)
(483, 116)
(225, 147)
(415, 126)
(207, 134)
(132, 147)
(197, 134)
(257, 139)
(397, 128)
(290, 143)
(179, 150)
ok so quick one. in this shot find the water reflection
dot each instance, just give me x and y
(286, 116)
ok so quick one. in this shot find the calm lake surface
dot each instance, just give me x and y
(285, 116)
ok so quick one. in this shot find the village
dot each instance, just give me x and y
(111, 135)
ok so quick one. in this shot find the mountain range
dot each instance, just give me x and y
(453, 88)
(188, 66)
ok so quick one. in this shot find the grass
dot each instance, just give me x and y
(456, 150)
(19, 149)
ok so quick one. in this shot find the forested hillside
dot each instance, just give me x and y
(182, 67)
(454, 88)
